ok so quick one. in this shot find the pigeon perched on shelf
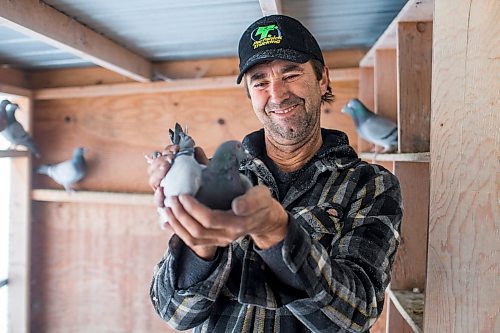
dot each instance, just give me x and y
(15, 132)
(372, 127)
(214, 185)
(3, 114)
(66, 173)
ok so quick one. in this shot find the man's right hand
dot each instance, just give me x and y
(159, 167)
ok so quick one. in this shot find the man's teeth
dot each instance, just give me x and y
(284, 110)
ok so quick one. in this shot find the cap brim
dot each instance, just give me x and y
(273, 54)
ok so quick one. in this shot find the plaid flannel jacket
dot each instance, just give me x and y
(343, 234)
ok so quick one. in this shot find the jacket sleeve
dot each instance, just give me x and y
(185, 306)
(345, 286)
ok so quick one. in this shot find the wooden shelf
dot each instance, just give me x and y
(411, 306)
(113, 198)
(398, 157)
(14, 153)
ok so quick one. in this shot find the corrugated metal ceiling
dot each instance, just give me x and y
(169, 30)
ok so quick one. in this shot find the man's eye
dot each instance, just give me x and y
(259, 85)
(291, 77)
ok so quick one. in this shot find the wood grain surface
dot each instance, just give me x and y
(463, 259)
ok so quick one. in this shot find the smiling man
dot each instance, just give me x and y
(310, 247)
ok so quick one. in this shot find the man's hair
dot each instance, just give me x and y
(327, 97)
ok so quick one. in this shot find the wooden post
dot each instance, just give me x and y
(367, 97)
(386, 83)
(414, 81)
(20, 232)
(409, 266)
(463, 261)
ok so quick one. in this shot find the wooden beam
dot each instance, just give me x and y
(19, 300)
(209, 83)
(38, 20)
(367, 97)
(414, 86)
(463, 261)
(386, 101)
(398, 157)
(409, 264)
(14, 77)
(112, 198)
(413, 11)
(8, 89)
(14, 153)
(224, 82)
(270, 7)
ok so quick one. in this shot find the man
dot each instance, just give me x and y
(310, 247)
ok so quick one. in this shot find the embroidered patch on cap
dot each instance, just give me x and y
(267, 34)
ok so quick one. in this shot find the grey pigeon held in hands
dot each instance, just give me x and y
(15, 132)
(66, 173)
(214, 185)
(372, 127)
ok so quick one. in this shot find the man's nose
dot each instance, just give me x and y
(278, 91)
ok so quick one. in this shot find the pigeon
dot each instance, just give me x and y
(214, 185)
(372, 127)
(66, 173)
(3, 114)
(15, 132)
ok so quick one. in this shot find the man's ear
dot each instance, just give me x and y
(325, 80)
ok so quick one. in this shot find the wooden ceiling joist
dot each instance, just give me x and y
(270, 7)
(38, 20)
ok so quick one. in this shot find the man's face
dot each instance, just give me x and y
(286, 97)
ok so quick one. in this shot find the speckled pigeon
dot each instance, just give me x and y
(372, 127)
(66, 173)
(214, 185)
(15, 132)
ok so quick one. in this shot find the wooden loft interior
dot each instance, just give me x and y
(433, 71)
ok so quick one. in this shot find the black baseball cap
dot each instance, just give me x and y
(276, 37)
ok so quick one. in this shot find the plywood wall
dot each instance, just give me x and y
(92, 262)
(119, 130)
(463, 252)
(91, 268)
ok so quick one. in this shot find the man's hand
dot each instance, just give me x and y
(255, 213)
(159, 167)
(265, 218)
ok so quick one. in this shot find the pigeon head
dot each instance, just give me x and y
(3, 105)
(357, 111)
(230, 153)
(185, 141)
(11, 112)
(12, 107)
(78, 153)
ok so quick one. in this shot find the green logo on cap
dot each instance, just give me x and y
(264, 35)
(264, 31)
